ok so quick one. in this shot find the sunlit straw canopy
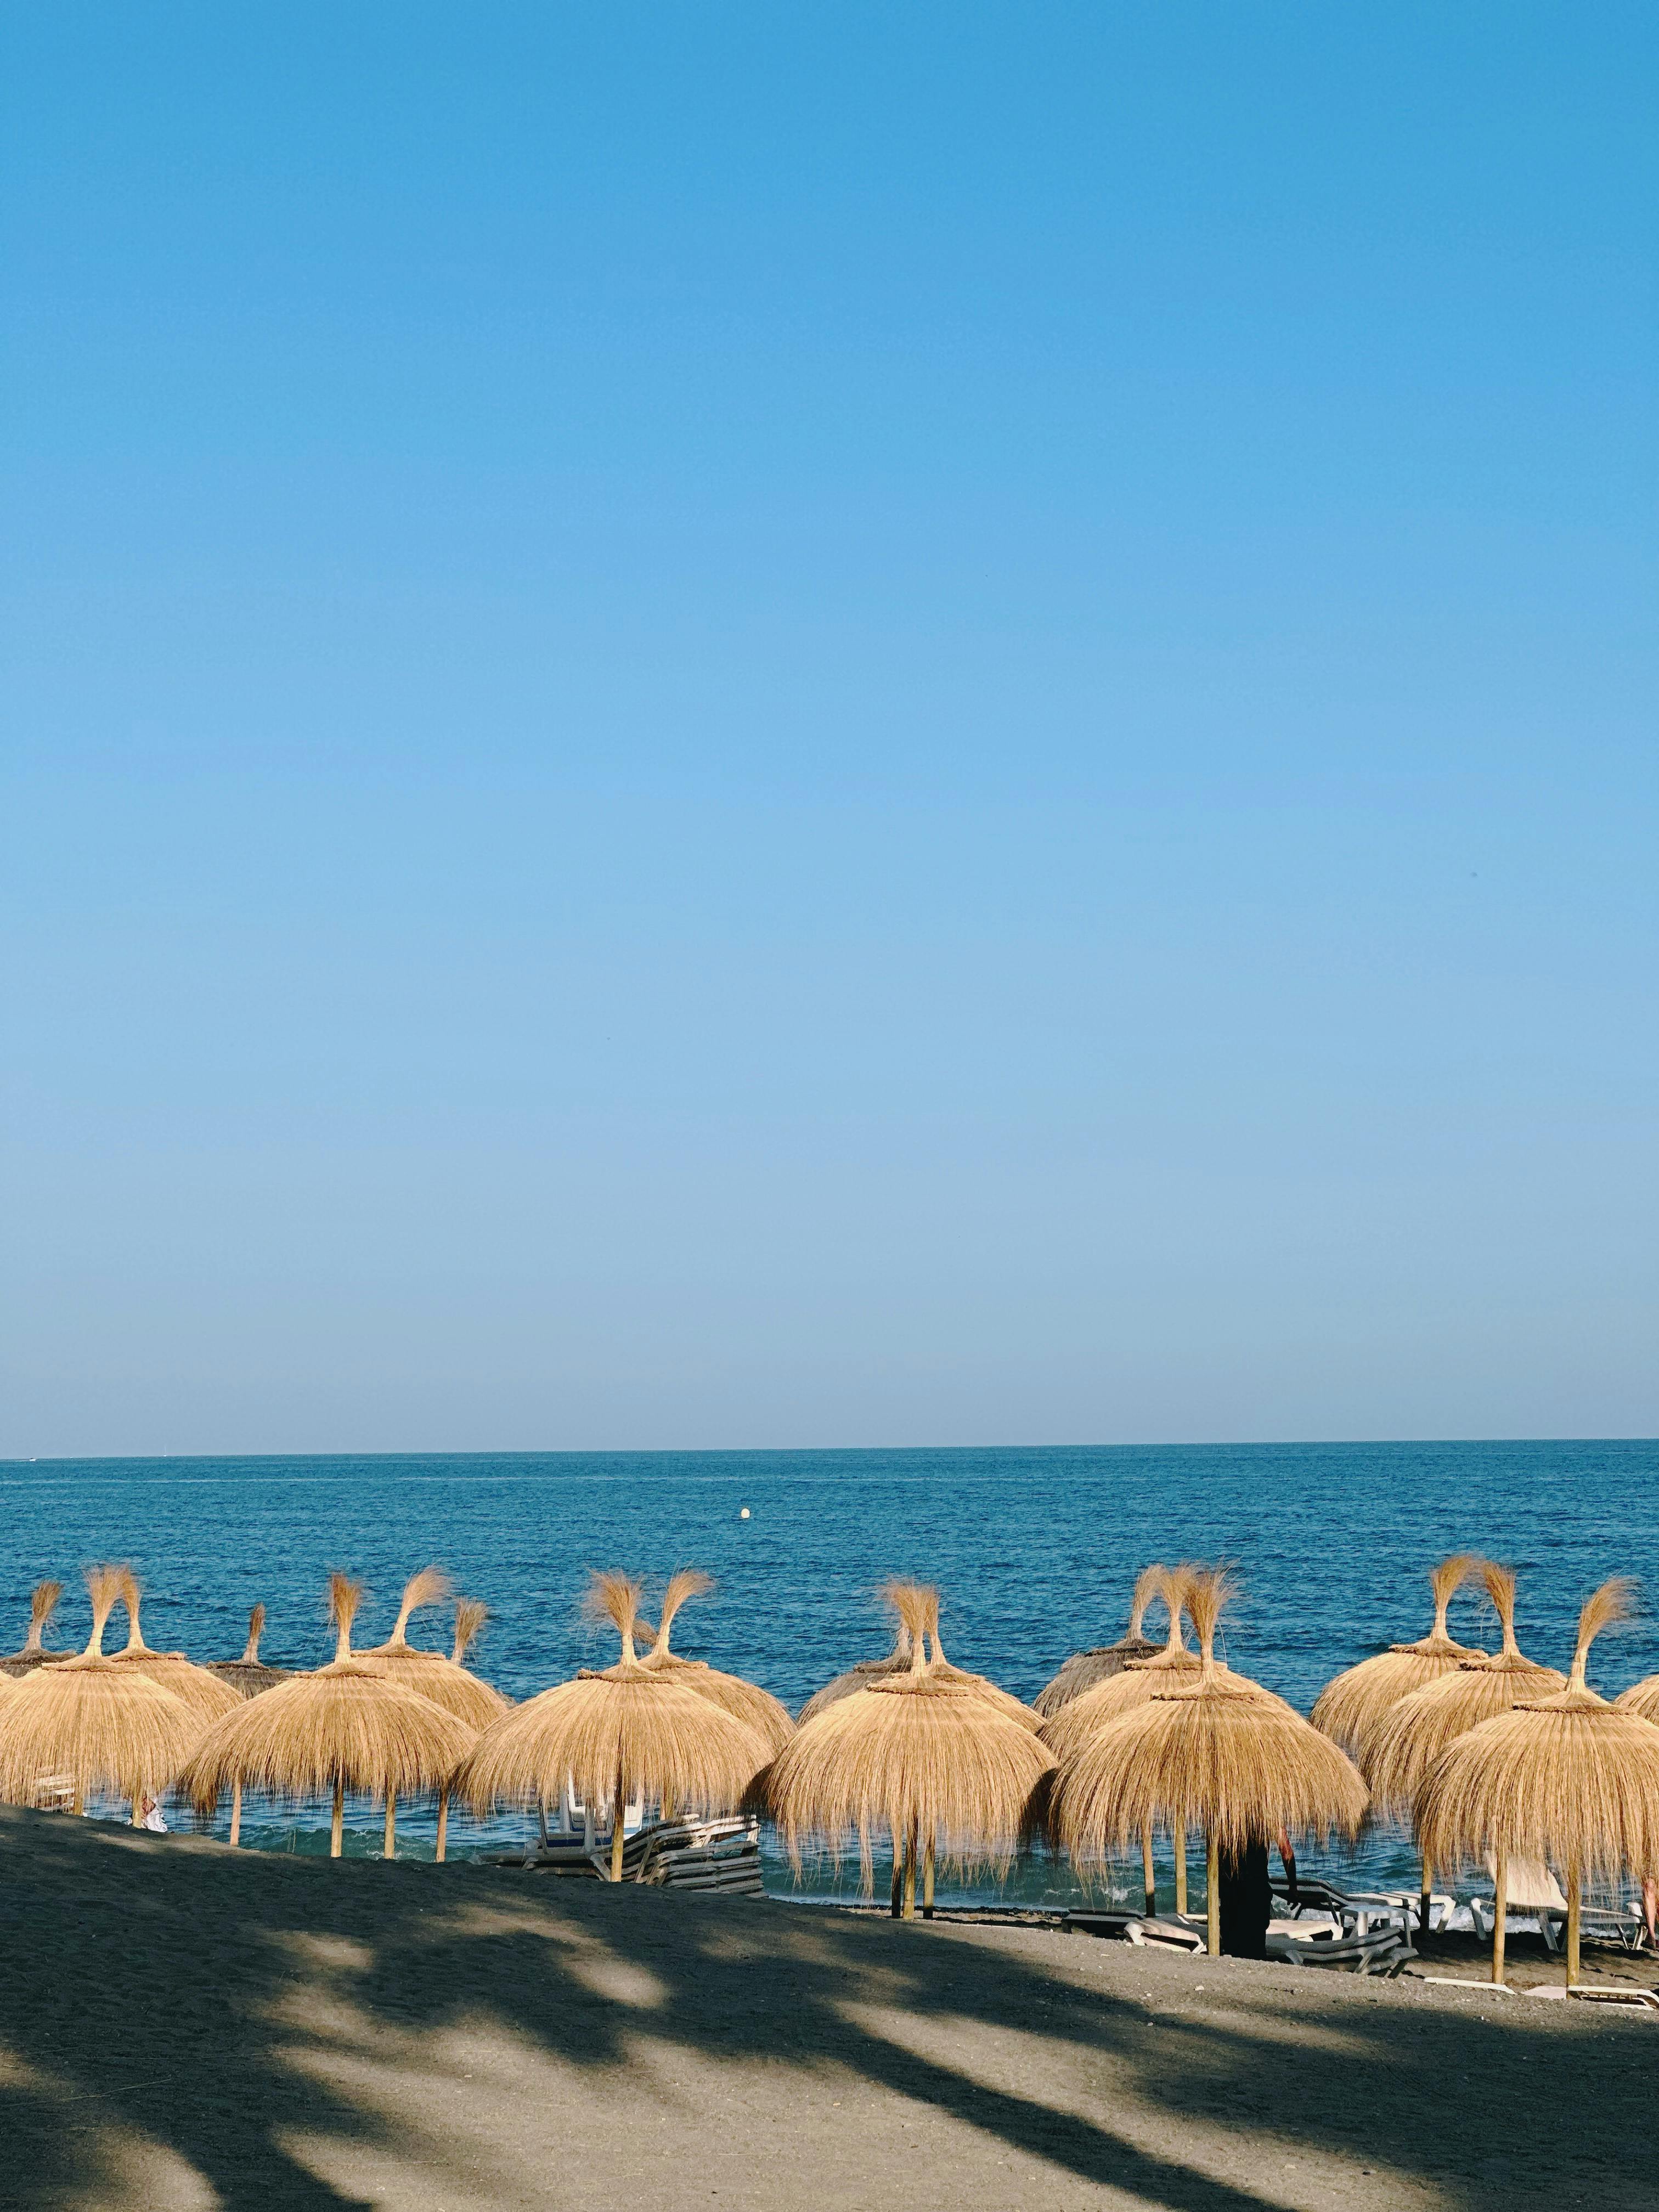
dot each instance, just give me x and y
(922, 1756)
(43, 1603)
(1350, 1705)
(865, 1671)
(249, 1674)
(629, 1728)
(746, 1701)
(1083, 1669)
(1401, 1751)
(1568, 1778)
(1206, 1751)
(206, 1696)
(454, 1687)
(347, 1725)
(91, 1723)
(1642, 1698)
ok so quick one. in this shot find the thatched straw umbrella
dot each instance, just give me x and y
(250, 1675)
(93, 1722)
(1135, 1685)
(347, 1727)
(612, 1732)
(1350, 1705)
(923, 1755)
(1569, 1779)
(1085, 1668)
(446, 1683)
(860, 1676)
(43, 1603)
(1212, 1751)
(203, 1692)
(746, 1701)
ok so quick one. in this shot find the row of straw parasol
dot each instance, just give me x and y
(1129, 1739)
(1497, 1756)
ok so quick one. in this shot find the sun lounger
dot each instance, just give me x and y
(1383, 1951)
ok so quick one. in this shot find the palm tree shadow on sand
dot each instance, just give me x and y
(185, 2025)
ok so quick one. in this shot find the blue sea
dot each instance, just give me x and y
(1034, 1550)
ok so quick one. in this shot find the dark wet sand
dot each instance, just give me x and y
(181, 2026)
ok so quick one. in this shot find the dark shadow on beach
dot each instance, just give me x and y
(214, 2006)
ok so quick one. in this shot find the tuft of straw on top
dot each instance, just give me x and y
(43, 1603)
(256, 1629)
(249, 1675)
(430, 1586)
(470, 1615)
(1351, 1705)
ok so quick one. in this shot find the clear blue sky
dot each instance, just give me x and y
(747, 726)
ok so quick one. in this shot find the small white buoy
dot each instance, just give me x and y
(743, 1515)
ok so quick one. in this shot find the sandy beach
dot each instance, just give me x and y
(184, 2026)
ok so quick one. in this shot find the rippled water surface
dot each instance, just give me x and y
(1035, 1551)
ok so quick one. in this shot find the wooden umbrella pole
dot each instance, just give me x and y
(1574, 1889)
(910, 1876)
(236, 1812)
(336, 1833)
(1500, 1906)
(389, 1848)
(927, 1882)
(1213, 1899)
(1149, 1879)
(616, 1830)
(1181, 1865)
(443, 1826)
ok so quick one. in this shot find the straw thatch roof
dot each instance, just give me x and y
(93, 1721)
(629, 1726)
(1350, 1706)
(1208, 1751)
(249, 1674)
(43, 1603)
(977, 1686)
(347, 1725)
(746, 1701)
(1568, 1779)
(1401, 1750)
(454, 1687)
(1085, 1668)
(922, 1756)
(860, 1676)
